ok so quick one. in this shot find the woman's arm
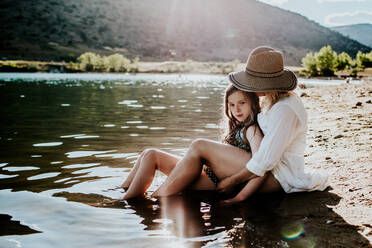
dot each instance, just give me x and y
(283, 127)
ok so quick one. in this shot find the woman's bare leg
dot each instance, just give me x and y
(270, 185)
(149, 161)
(225, 160)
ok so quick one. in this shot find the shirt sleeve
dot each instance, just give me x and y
(283, 127)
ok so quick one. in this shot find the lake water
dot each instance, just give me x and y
(70, 140)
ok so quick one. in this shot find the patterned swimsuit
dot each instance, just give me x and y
(239, 142)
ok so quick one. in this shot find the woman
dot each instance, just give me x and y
(280, 157)
(281, 153)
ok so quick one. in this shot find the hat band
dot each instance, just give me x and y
(264, 74)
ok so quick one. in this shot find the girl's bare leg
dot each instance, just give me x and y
(133, 172)
(225, 160)
(144, 170)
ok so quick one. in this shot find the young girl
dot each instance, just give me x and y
(241, 109)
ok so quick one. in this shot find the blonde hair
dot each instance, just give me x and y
(273, 97)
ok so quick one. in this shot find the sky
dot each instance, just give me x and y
(329, 13)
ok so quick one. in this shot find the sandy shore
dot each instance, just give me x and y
(340, 141)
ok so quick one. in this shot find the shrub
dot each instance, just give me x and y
(113, 63)
(326, 61)
(88, 61)
(363, 60)
(117, 63)
(309, 62)
(343, 61)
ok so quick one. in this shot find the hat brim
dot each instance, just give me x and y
(246, 82)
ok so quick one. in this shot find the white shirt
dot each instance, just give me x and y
(282, 148)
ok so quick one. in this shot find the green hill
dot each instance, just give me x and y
(155, 30)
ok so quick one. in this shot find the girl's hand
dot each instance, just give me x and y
(230, 201)
(226, 184)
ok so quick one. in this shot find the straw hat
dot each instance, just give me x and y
(264, 72)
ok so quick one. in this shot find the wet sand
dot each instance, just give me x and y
(340, 141)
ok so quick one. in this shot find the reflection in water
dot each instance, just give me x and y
(195, 219)
(11, 227)
(77, 136)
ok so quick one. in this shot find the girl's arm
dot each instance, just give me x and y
(252, 186)
(254, 137)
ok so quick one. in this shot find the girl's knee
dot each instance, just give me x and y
(150, 153)
(198, 145)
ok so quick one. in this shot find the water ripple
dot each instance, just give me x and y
(74, 166)
(116, 155)
(7, 176)
(158, 107)
(56, 162)
(48, 144)
(20, 168)
(44, 175)
(80, 154)
(3, 164)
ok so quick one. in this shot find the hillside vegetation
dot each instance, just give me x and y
(201, 30)
(327, 62)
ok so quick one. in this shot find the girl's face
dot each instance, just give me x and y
(239, 105)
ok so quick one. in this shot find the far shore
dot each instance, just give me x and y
(188, 66)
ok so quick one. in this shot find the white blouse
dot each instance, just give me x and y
(282, 148)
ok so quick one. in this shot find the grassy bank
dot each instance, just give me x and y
(188, 66)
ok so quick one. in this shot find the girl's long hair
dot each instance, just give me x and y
(231, 124)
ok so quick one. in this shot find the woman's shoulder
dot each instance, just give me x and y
(291, 103)
(291, 99)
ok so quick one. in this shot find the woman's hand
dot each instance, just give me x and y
(226, 184)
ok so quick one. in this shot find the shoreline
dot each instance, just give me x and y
(172, 67)
(339, 142)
